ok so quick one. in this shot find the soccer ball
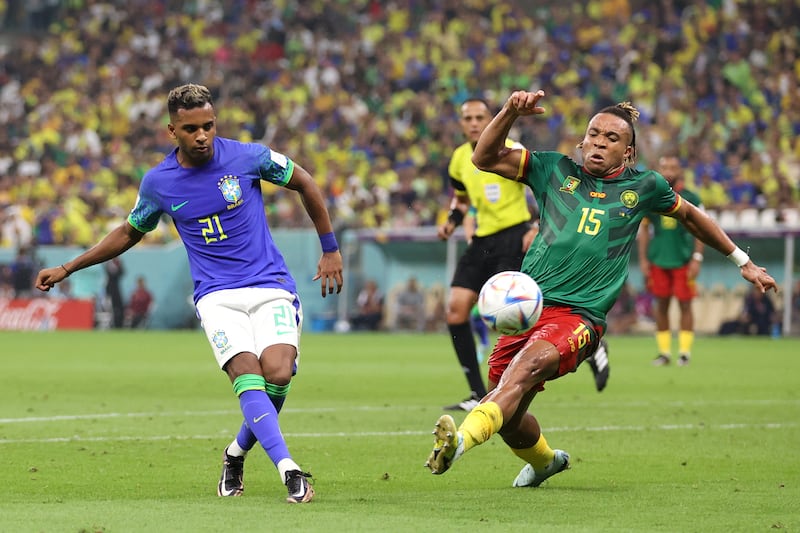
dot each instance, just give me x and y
(510, 303)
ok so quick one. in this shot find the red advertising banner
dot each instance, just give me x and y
(46, 314)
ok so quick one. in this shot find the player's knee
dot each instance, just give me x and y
(281, 379)
(278, 372)
(457, 314)
(240, 364)
(278, 364)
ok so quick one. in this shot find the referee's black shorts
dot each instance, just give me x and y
(489, 255)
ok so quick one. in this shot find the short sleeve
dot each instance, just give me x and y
(665, 200)
(146, 213)
(275, 167)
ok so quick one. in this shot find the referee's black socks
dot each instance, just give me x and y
(464, 344)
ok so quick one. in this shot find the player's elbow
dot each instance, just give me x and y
(485, 162)
(129, 233)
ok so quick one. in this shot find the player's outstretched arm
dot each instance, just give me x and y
(705, 229)
(491, 153)
(329, 268)
(115, 243)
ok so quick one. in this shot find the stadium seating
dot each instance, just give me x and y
(791, 217)
(768, 218)
(414, 96)
(748, 218)
(728, 219)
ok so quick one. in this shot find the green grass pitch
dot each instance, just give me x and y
(123, 432)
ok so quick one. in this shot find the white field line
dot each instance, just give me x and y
(344, 434)
(226, 412)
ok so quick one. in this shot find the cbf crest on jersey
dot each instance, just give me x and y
(231, 190)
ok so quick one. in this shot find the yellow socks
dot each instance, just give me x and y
(486, 420)
(481, 423)
(664, 342)
(539, 455)
(685, 341)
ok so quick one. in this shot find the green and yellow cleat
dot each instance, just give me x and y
(447, 446)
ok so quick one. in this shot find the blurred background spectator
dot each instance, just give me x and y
(63, 290)
(758, 317)
(23, 271)
(435, 309)
(139, 304)
(623, 316)
(6, 283)
(796, 306)
(371, 93)
(410, 307)
(369, 308)
(114, 301)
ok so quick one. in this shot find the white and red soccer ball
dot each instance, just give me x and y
(510, 303)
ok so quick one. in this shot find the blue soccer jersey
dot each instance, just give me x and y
(218, 211)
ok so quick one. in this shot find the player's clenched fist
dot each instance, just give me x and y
(48, 277)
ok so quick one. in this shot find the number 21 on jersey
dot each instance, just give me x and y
(212, 229)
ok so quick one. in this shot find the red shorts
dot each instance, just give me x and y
(573, 336)
(668, 282)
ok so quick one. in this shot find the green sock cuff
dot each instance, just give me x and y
(278, 390)
(247, 382)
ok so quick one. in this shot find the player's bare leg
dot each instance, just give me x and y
(514, 393)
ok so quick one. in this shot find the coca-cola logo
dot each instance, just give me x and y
(35, 314)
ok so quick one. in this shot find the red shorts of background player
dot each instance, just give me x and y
(573, 336)
(668, 282)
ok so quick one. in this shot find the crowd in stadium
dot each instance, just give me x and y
(365, 94)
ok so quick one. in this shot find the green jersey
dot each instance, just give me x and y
(671, 245)
(587, 229)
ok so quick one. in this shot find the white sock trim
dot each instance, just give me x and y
(235, 450)
(284, 465)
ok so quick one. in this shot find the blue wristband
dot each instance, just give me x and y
(328, 242)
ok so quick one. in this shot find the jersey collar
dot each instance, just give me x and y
(610, 176)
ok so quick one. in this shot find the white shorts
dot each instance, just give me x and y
(249, 320)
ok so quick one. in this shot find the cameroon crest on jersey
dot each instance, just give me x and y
(570, 184)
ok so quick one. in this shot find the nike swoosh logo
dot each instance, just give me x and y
(176, 207)
(258, 419)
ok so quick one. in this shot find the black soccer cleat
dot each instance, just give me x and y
(231, 482)
(300, 490)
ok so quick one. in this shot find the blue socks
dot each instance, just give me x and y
(246, 439)
(261, 417)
